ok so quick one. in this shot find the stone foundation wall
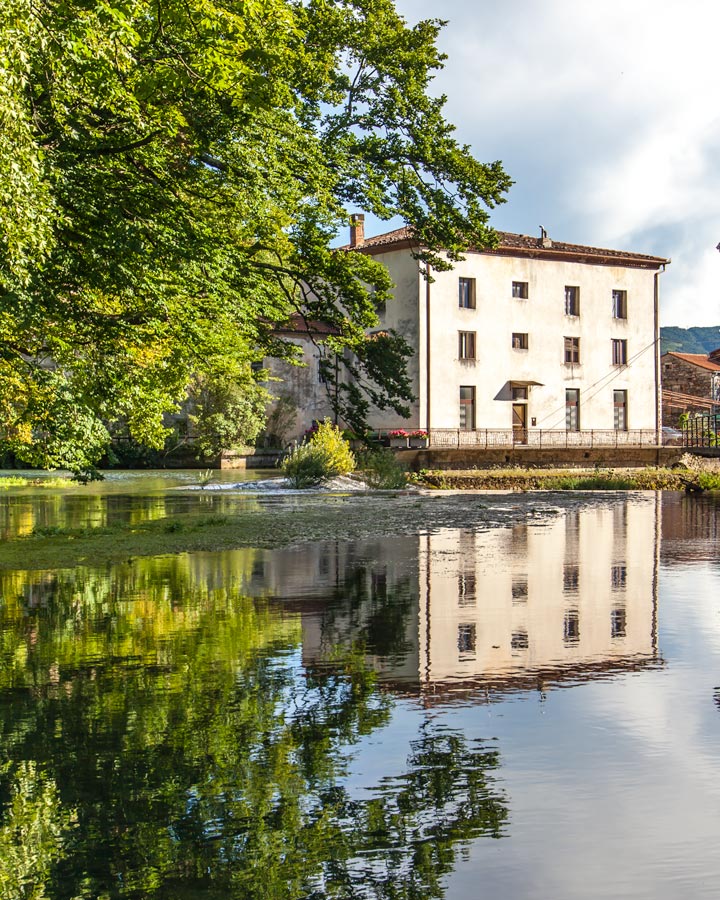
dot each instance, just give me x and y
(607, 457)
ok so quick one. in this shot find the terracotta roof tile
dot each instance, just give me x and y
(697, 359)
(524, 245)
(298, 325)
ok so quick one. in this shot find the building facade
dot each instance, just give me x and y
(533, 336)
(533, 342)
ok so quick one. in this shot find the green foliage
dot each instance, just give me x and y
(603, 481)
(647, 479)
(227, 412)
(305, 467)
(381, 470)
(65, 434)
(173, 176)
(709, 481)
(323, 455)
(698, 426)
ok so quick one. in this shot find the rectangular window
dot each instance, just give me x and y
(618, 622)
(520, 290)
(467, 408)
(571, 627)
(519, 640)
(572, 300)
(322, 371)
(519, 341)
(467, 589)
(466, 345)
(466, 297)
(572, 349)
(519, 392)
(619, 352)
(571, 578)
(620, 419)
(572, 409)
(467, 638)
(618, 577)
(619, 304)
(520, 589)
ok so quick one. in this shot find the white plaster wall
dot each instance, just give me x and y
(542, 316)
(405, 314)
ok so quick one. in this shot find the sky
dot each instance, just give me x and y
(605, 115)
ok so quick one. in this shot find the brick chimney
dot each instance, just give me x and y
(357, 229)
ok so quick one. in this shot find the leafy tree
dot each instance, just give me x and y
(173, 173)
(227, 412)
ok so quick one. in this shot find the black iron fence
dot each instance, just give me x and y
(702, 431)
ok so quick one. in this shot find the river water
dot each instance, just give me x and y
(528, 709)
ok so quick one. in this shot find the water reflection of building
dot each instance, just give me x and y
(572, 597)
(690, 527)
(576, 595)
(350, 594)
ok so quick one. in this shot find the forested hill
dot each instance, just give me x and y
(690, 340)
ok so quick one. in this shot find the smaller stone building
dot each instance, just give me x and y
(690, 384)
(300, 391)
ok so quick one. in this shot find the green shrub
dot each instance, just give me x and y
(305, 467)
(324, 455)
(381, 470)
(609, 482)
(709, 481)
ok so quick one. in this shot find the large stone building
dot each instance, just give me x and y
(528, 342)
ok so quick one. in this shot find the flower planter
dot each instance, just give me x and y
(418, 443)
(399, 443)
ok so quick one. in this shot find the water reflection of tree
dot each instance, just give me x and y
(367, 609)
(186, 754)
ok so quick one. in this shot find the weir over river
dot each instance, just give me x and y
(457, 696)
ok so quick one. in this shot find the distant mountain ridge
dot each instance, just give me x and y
(689, 340)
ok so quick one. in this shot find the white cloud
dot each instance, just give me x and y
(606, 117)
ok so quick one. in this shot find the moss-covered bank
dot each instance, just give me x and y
(571, 479)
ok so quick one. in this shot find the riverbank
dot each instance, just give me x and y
(642, 479)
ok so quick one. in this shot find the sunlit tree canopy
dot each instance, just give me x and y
(172, 178)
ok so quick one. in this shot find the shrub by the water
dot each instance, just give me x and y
(598, 482)
(324, 455)
(709, 481)
(381, 470)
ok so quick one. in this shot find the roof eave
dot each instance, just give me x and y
(626, 261)
(596, 259)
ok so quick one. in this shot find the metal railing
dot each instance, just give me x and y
(702, 431)
(537, 438)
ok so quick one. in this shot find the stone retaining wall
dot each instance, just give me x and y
(607, 457)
